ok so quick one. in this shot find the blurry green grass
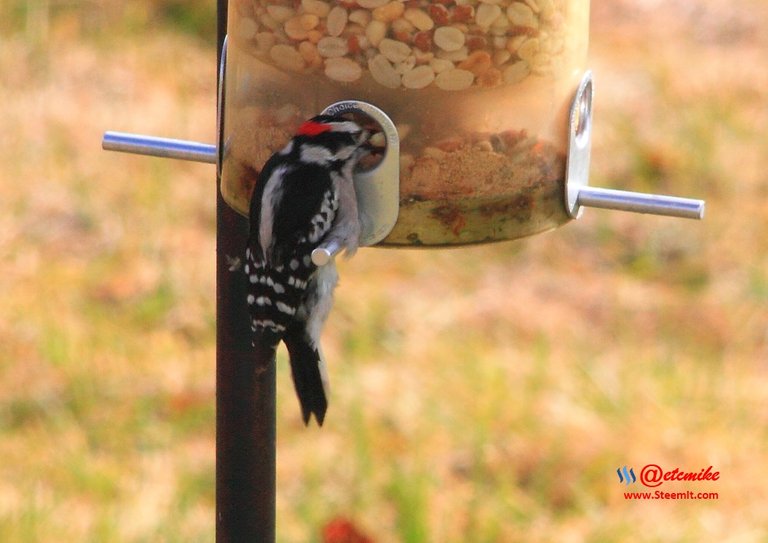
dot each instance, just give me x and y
(479, 395)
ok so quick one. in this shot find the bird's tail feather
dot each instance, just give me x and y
(307, 369)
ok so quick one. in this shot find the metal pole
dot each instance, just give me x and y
(245, 392)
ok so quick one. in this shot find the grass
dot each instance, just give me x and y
(486, 394)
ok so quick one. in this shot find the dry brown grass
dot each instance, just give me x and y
(484, 394)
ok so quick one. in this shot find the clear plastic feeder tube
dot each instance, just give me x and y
(479, 92)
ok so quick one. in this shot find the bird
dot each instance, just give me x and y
(304, 199)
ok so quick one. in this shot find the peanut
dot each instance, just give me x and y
(455, 79)
(389, 12)
(343, 69)
(395, 51)
(330, 47)
(337, 20)
(361, 17)
(316, 7)
(375, 32)
(280, 13)
(383, 72)
(371, 4)
(487, 14)
(449, 38)
(516, 72)
(440, 65)
(419, 18)
(418, 78)
(520, 14)
(247, 28)
(287, 57)
(477, 62)
(294, 29)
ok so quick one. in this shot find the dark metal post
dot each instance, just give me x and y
(245, 392)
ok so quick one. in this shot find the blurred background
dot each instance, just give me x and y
(484, 394)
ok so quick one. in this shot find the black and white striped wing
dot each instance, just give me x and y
(279, 265)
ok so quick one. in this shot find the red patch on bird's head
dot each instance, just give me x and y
(312, 128)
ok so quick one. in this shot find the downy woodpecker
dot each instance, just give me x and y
(304, 198)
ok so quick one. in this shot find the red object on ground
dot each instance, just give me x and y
(342, 530)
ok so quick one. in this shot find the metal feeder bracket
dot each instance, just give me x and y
(377, 190)
(577, 192)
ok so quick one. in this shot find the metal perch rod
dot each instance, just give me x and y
(638, 202)
(160, 147)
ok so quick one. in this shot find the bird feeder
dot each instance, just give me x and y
(484, 110)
